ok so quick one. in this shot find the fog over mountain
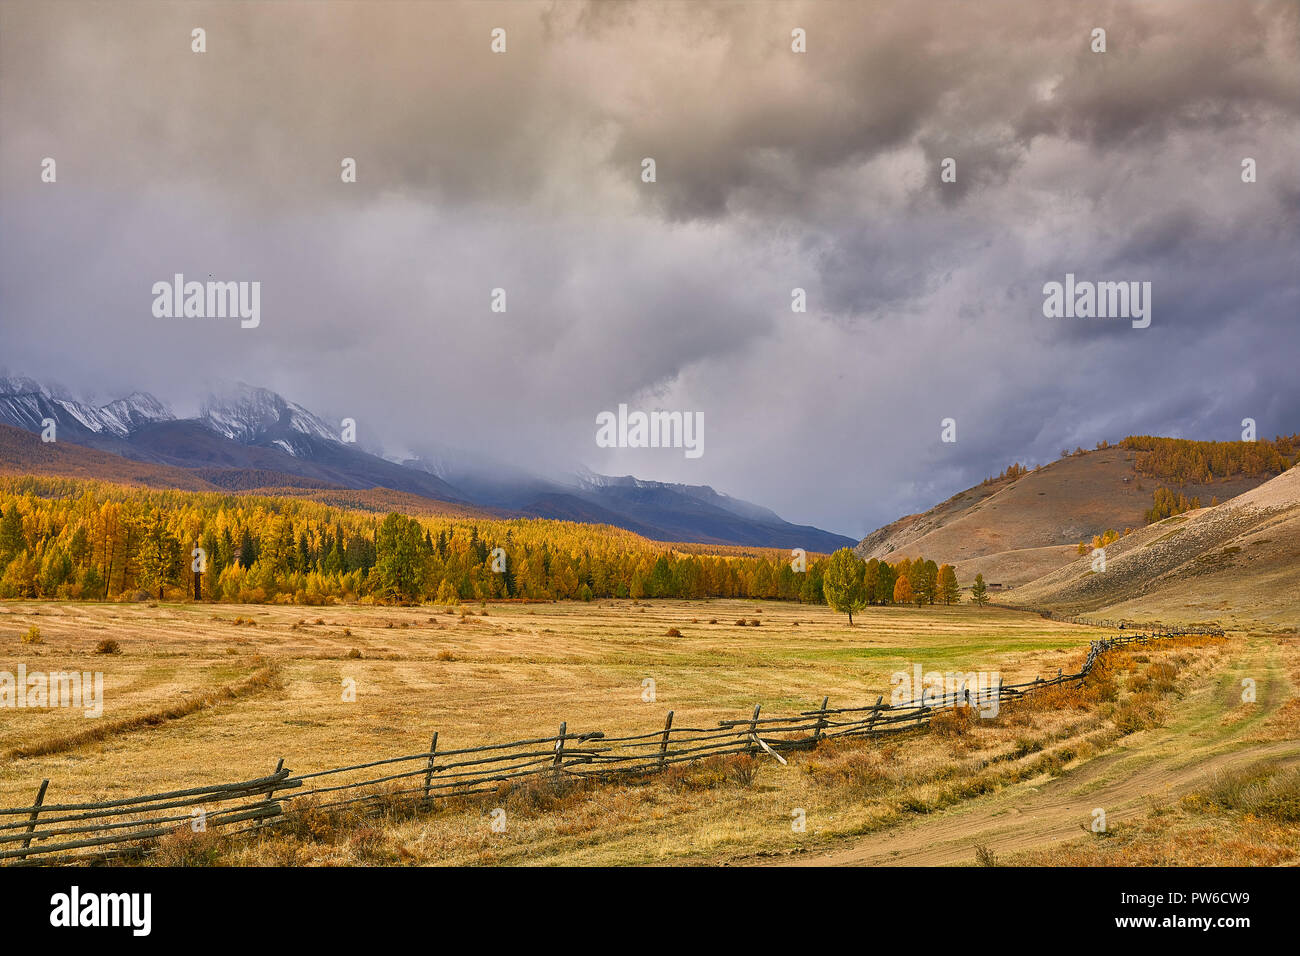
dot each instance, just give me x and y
(774, 171)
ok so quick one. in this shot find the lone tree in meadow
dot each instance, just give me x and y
(980, 592)
(842, 583)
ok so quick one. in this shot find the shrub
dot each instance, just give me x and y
(1137, 714)
(1263, 791)
(955, 722)
(672, 632)
(542, 792)
(184, 847)
(984, 856)
(108, 646)
(696, 775)
(33, 635)
(742, 770)
(861, 772)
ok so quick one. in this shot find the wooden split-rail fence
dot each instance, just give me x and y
(88, 832)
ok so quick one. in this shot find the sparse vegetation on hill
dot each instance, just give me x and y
(1010, 473)
(1235, 560)
(1167, 504)
(1101, 540)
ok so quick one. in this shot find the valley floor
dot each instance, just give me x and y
(204, 693)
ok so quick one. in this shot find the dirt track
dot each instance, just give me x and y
(1150, 766)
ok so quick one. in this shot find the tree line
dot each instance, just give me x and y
(83, 539)
(70, 538)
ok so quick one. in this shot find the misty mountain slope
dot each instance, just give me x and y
(1020, 529)
(23, 453)
(249, 429)
(663, 511)
(251, 438)
(609, 487)
(189, 443)
(566, 507)
(1237, 561)
(675, 514)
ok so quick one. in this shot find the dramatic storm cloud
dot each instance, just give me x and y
(775, 170)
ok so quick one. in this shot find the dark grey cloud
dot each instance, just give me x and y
(775, 171)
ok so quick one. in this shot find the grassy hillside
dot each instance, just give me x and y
(1016, 529)
(1235, 562)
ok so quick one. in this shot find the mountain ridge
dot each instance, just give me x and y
(249, 438)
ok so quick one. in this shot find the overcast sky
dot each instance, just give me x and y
(775, 170)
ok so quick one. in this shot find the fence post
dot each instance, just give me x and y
(663, 744)
(31, 821)
(753, 726)
(821, 715)
(428, 773)
(270, 795)
(875, 712)
(559, 746)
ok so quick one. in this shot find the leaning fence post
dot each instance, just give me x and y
(428, 773)
(31, 821)
(753, 726)
(559, 746)
(821, 721)
(663, 744)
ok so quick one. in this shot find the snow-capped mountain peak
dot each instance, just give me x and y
(26, 403)
(125, 415)
(251, 415)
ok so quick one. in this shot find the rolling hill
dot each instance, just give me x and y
(1016, 529)
(1235, 563)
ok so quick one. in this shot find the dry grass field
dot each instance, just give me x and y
(211, 693)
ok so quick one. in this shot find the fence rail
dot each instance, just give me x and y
(50, 833)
